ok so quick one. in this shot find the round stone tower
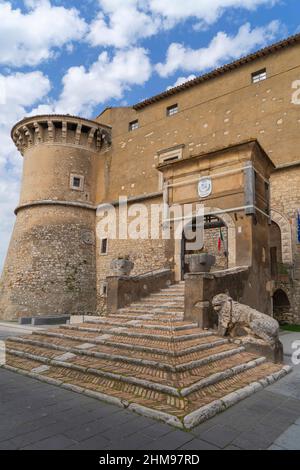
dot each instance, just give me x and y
(50, 266)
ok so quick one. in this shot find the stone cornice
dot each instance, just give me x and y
(80, 205)
(60, 130)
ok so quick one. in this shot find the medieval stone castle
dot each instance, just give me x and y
(56, 264)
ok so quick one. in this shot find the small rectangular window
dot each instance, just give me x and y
(77, 182)
(103, 289)
(104, 245)
(133, 125)
(259, 76)
(171, 110)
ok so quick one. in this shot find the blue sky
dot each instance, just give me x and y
(80, 56)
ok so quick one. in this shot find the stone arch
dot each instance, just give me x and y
(231, 228)
(281, 305)
(286, 235)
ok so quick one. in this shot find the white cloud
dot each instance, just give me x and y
(31, 37)
(106, 79)
(22, 90)
(221, 49)
(121, 23)
(181, 81)
(207, 11)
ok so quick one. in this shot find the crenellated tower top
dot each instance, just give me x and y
(60, 130)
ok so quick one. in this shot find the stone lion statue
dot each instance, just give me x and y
(238, 320)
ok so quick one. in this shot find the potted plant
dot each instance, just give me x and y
(200, 262)
(122, 265)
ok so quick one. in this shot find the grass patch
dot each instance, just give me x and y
(295, 328)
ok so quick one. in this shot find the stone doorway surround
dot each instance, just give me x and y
(286, 235)
(231, 228)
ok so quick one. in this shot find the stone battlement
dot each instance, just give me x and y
(60, 130)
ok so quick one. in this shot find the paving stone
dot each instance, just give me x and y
(28, 438)
(239, 420)
(25, 428)
(280, 417)
(84, 432)
(58, 442)
(173, 440)
(94, 443)
(292, 404)
(7, 446)
(128, 428)
(134, 442)
(219, 435)
(197, 444)
(290, 439)
(251, 441)
(157, 430)
(232, 447)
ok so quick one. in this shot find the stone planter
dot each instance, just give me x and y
(200, 262)
(122, 267)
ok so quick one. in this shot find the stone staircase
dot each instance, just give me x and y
(148, 359)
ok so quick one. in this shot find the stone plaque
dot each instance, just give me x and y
(205, 187)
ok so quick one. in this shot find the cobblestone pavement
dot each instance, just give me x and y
(35, 415)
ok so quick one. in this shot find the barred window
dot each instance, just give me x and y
(172, 110)
(133, 125)
(259, 76)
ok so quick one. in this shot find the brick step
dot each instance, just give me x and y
(171, 291)
(143, 397)
(90, 341)
(152, 310)
(165, 317)
(168, 333)
(147, 359)
(165, 298)
(146, 318)
(158, 307)
(145, 324)
(183, 363)
(162, 335)
(178, 384)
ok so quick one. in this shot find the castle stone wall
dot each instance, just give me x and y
(50, 266)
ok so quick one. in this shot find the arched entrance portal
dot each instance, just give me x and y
(215, 242)
(281, 305)
(225, 222)
(275, 249)
(285, 236)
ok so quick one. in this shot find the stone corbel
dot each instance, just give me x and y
(29, 135)
(98, 140)
(64, 132)
(51, 131)
(78, 134)
(38, 132)
(91, 136)
(17, 142)
(20, 141)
